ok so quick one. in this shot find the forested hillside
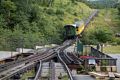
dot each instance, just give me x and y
(103, 28)
(26, 23)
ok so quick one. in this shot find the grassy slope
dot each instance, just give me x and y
(113, 23)
(112, 49)
(72, 11)
(27, 74)
(115, 20)
(108, 18)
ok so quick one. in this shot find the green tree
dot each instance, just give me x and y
(35, 22)
(7, 10)
(118, 7)
(103, 34)
(99, 35)
(2, 22)
(15, 39)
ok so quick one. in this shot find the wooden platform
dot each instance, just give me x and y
(98, 74)
(117, 74)
(111, 75)
(105, 76)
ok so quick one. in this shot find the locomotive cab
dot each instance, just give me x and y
(69, 31)
(73, 30)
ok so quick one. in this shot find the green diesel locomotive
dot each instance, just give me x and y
(73, 30)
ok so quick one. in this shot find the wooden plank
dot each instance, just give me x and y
(111, 75)
(95, 74)
(117, 74)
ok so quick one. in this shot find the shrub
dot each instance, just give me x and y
(60, 11)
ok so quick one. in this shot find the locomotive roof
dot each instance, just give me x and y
(76, 24)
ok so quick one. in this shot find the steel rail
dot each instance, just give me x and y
(13, 62)
(66, 54)
(38, 72)
(65, 44)
(66, 59)
(49, 54)
(24, 60)
(24, 68)
(66, 67)
(75, 58)
(47, 57)
(79, 59)
(89, 19)
(61, 48)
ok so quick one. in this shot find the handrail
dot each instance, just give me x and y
(99, 54)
